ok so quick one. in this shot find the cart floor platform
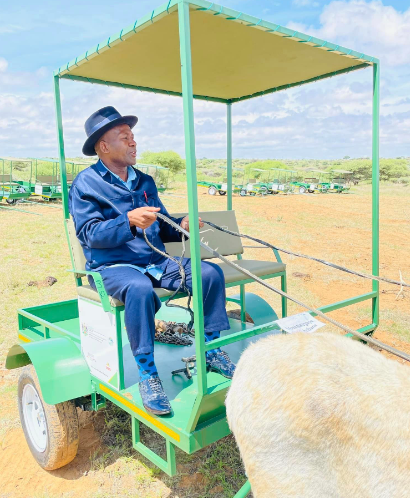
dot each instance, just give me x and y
(62, 319)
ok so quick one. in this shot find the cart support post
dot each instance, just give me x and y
(61, 154)
(244, 491)
(188, 106)
(229, 154)
(375, 190)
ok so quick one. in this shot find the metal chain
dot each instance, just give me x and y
(317, 312)
(169, 336)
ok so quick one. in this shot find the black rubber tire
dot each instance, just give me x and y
(11, 201)
(62, 426)
(222, 192)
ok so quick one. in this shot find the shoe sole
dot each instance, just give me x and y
(156, 412)
(213, 369)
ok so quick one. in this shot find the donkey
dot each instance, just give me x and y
(321, 416)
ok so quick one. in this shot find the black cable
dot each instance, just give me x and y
(317, 312)
(182, 285)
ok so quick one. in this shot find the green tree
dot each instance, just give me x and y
(169, 159)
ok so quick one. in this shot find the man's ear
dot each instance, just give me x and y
(102, 147)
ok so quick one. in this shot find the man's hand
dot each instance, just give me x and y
(185, 223)
(143, 217)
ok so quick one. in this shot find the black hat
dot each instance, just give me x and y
(101, 121)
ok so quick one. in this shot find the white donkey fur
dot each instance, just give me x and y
(321, 416)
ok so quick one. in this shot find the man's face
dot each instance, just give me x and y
(118, 146)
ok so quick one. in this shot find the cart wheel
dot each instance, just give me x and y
(51, 431)
(264, 190)
(252, 193)
(212, 191)
(302, 190)
(275, 192)
(11, 201)
(242, 192)
(222, 192)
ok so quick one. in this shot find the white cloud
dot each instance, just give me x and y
(3, 64)
(370, 27)
(10, 28)
(328, 119)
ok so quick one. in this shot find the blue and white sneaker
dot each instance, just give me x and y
(218, 361)
(153, 396)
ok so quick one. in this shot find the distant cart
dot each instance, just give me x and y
(341, 180)
(48, 185)
(255, 187)
(10, 189)
(282, 181)
(318, 183)
(311, 184)
(222, 187)
(160, 174)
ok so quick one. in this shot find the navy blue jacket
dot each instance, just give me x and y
(99, 203)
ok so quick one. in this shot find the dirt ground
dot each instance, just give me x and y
(334, 227)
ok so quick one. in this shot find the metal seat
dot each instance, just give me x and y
(225, 244)
(89, 293)
(258, 268)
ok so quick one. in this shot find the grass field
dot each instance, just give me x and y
(334, 227)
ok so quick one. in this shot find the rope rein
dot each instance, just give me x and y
(318, 260)
(317, 312)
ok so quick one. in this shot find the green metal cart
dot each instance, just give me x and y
(281, 183)
(340, 180)
(317, 184)
(236, 57)
(222, 187)
(48, 185)
(13, 190)
(257, 186)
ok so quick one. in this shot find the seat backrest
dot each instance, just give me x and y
(222, 242)
(5, 179)
(75, 246)
(45, 179)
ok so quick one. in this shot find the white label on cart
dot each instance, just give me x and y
(58, 189)
(99, 342)
(332, 185)
(281, 187)
(303, 322)
(38, 189)
(250, 186)
(275, 186)
(224, 186)
(312, 186)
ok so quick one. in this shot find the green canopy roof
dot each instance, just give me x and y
(234, 56)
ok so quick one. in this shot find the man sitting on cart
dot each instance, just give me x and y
(111, 204)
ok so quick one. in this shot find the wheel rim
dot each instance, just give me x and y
(34, 418)
(212, 191)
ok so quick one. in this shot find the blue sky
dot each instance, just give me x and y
(325, 120)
